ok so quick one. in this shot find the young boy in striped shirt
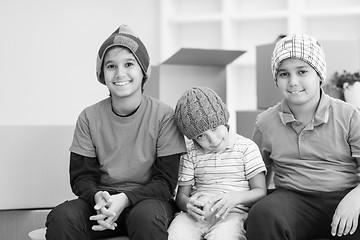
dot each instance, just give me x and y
(221, 175)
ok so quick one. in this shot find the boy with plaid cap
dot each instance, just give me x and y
(221, 175)
(124, 156)
(311, 142)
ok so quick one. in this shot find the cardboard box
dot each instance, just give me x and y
(190, 67)
(245, 121)
(340, 55)
(266, 90)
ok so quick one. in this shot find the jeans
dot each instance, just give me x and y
(292, 215)
(147, 219)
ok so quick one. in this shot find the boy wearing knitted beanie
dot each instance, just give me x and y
(124, 156)
(311, 142)
(221, 175)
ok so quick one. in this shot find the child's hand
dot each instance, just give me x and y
(345, 219)
(223, 203)
(195, 207)
(103, 201)
(105, 219)
(108, 214)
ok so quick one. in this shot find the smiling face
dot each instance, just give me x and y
(122, 73)
(214, 139)
(298, 82)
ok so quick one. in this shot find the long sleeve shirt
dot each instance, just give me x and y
(136, 154)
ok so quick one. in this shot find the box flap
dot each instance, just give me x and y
(203, 57)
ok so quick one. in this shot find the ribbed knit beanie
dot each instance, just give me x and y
(303, 47)
(200, 109)
(125, 37)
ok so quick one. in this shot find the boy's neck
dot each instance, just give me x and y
(125, 106)
(304, 113)
(305, 117)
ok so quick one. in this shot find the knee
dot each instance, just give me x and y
(149, 213)
(257, 210)
(184, 227)
(143, 213)
(59, 214)
(65, 214)
(261, 214)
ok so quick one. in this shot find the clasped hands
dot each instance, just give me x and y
(108, 208)
(203, 207)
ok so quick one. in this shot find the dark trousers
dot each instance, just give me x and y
(149, 219)
(291, 215)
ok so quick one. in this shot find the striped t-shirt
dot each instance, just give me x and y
(220, 172)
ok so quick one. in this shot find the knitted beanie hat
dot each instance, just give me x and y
(124, 37)
(200, 109)
(303, 47)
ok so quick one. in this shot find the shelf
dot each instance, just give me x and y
(196, 35)
(333, 12)
(196, 18)
(190, 7)
(320, 5)
(244, 25)
(265, 15)
(337, 28)
(255, 6)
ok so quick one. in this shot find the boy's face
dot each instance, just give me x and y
(122, 73)
(298, 82)
(214, 139)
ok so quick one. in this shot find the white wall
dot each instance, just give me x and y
(48, 53)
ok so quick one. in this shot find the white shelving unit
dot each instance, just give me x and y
(243, 24)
